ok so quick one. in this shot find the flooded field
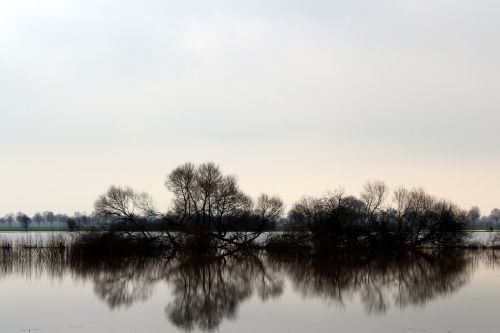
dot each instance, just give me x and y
(48, 290)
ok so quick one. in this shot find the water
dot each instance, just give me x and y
(453, 291)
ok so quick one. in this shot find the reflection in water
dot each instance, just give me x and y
(207, 292)
(413, 279)
(123, 286)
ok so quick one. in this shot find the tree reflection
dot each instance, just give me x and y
(412, 279)
(206, 292)
(133, 283)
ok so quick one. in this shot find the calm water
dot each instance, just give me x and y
(47, 291)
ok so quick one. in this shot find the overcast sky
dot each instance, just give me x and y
(295, 97)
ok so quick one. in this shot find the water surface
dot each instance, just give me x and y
(431, 291)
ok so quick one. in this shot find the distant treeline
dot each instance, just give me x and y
(77, 221)
(209, 209)
(476, 221)
(49, 220)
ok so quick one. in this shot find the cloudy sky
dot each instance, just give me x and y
(295, 97)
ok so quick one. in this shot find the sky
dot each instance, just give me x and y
(294, 97)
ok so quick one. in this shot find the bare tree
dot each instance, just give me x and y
(415, 219)
(210, 204)
(400, 199)
(328, 221)
(126, 207)
(269, 208)
(426, 220)
(374, 195)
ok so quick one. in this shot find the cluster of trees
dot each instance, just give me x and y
(405, 217)
(210, 209)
